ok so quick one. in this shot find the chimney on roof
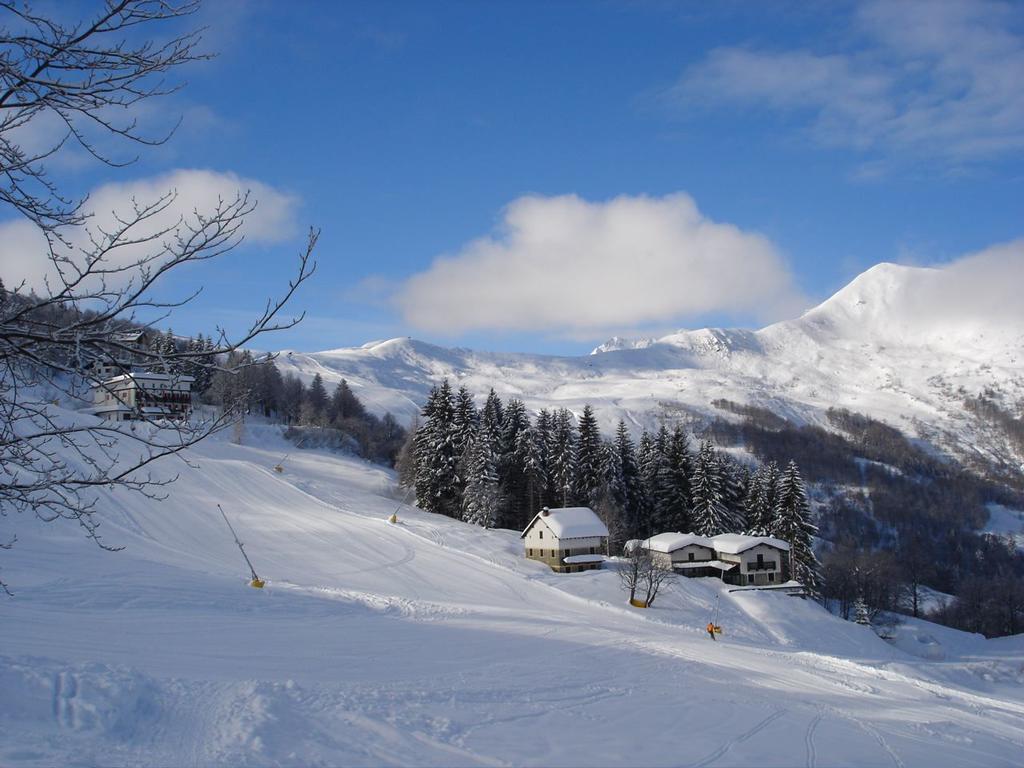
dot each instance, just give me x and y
(545, 512)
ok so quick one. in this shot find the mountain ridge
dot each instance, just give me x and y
(873, 347)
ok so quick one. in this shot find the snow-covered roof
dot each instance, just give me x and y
(570, 523)
(719, 564)
(572, 559)
(735, 543)
(178, 378)
(670, 542)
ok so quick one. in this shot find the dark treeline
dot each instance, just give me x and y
(316, 418)
(496, 466)
(895, 519)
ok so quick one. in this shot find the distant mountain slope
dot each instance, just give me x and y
(882, 346)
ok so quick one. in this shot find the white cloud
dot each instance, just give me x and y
(934, 78)
(23, 251)
(572, 267)
(978, 291)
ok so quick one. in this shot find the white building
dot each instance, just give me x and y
(567, 540)
(143, 396)
(737, 559)
(758, 560)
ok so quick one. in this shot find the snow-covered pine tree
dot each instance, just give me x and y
(437, 479)
(680, 467)
(709, 514)
(660, 483)
(562, 469)
(482, 496)
(647, 466)
(493, 413)
(590, 460)
(735, 481)
(544, 442)
(760, 500)
(792, 523)
(529, 461)
(465, 420)
(511, 474)
(626, 485)
(860, 611)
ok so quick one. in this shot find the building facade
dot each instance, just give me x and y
(567, 540)
(134, 396)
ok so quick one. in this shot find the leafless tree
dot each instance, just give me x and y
(86, 76)
(641, 573)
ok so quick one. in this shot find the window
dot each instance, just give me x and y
(750, 578)
(690, 555)
(771, 577)
(593, 550)
(540, 534)
(529, 553)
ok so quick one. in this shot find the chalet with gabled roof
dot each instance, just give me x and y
(567, 540)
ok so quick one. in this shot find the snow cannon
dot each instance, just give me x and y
(393, 519)
(637, 603)
(257, 583)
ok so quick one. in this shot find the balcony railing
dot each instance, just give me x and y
(768, 565)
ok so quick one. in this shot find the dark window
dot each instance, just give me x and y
(593, 550)
(771, 577)
(691, 556)
(529, 553)
(541, 536)
(760, 560)
(750, 578)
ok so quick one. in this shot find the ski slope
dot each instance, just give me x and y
(431, 642)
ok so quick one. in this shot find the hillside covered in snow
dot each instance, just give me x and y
(895, 344)
(434, 642)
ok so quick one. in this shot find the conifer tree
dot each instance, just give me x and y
(735, 481)
(792, 523)
(759, 503)
(860, 612)
(465, 420)
(530, 462)
(316, 400)
(511, 472)
(544, 442)
(437, 479)
(679, 497)
(626, 485)
(590, 460)
(647, 465)
(710, 516)
(482, 496)
(344, 404)
(661, 484)
(562, 468)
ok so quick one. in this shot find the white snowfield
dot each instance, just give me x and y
(873, 348)
(432, 642)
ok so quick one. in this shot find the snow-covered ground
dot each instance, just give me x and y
(431, 642)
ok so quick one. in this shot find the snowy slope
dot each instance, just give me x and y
(432, 642)
(871, 348)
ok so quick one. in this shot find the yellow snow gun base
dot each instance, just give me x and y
(257, 583)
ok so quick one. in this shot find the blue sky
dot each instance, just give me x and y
(591, 168)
